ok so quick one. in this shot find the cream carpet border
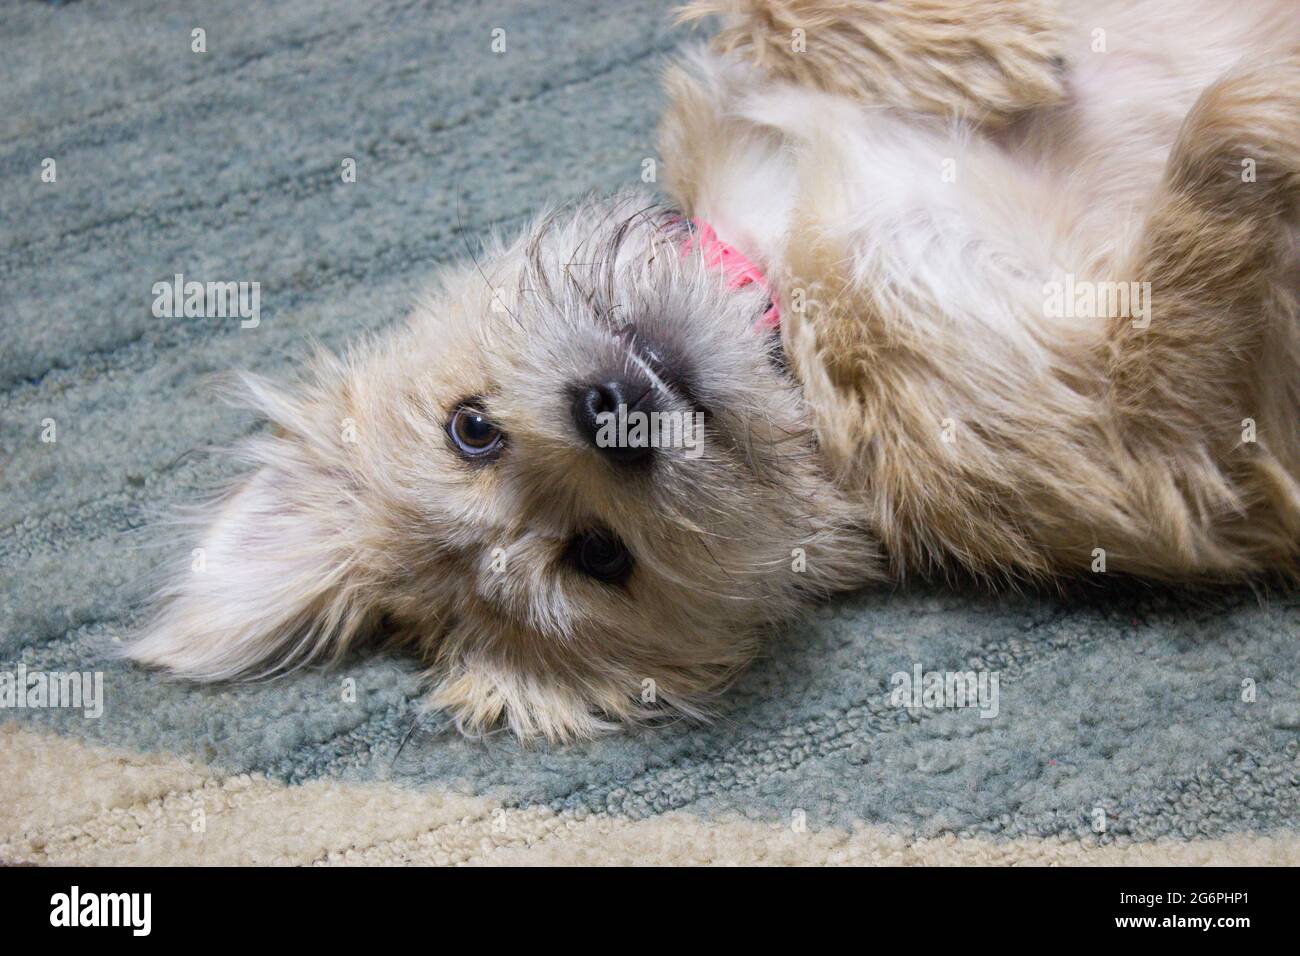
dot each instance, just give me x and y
(65, 801)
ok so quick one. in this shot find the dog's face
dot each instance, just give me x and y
(461, 485)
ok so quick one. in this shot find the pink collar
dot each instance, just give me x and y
(738, 270)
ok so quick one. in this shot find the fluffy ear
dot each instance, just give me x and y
(274, 582)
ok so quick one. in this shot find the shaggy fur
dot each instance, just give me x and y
(359, 513)
(975, 428)
(986, 60)
(913, 179)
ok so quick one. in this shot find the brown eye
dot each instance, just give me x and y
(472, 434)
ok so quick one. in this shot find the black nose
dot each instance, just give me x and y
(606, 415)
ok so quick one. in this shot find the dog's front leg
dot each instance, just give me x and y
(985, 60)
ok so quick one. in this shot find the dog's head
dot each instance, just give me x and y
(577, 481)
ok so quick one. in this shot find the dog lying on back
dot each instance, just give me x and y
(1003, 286)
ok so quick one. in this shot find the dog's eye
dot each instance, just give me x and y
(472, 434)
(600, 555)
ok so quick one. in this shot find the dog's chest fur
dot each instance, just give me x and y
(937, 219)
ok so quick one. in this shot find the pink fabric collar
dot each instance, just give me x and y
(738, 270)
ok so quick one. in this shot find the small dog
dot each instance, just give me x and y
(991, 285)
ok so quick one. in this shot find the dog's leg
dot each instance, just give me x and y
(1213, 247)
(1205, 389)
(986, 60)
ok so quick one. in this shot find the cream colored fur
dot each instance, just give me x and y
(912, 178)
(975, 429)
(360, 519)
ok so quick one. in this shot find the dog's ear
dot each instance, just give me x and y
(276, 579)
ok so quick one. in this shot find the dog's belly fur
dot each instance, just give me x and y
(977, 426)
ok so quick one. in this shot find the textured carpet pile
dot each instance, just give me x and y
(1132, 707)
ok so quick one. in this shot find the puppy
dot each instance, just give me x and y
(1006, 287)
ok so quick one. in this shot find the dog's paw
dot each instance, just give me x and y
(984, 60)
(481, 696)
